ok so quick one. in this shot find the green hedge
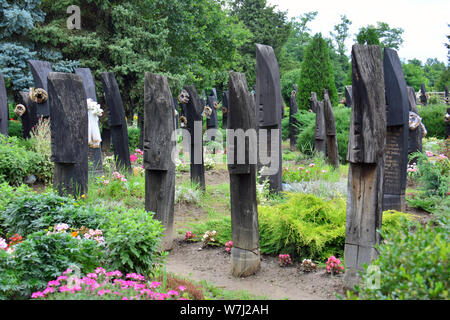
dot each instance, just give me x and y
(433, 119)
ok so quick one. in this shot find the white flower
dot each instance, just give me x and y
(3, 244)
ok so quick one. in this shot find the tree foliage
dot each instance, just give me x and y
(381, 34)
(317, 73)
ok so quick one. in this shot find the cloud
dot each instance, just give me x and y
(425, 22)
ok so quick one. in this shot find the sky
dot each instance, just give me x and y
(425, 22)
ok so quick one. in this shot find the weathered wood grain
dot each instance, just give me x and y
(116, 119)
(245, 255)
(159, 126)
(366, 156)
(69, 133)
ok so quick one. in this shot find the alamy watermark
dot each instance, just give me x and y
(249, 147)
(74, 20)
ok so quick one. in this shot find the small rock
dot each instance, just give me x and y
(31, 179)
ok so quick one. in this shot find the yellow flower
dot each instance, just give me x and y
(83, 196)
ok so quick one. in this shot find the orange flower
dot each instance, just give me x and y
(74, 234)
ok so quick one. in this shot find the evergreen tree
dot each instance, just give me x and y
(18, 19)
(317, 73)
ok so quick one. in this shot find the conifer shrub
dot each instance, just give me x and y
(316, 73)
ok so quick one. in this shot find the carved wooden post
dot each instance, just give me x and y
(40, 71)
(194, 118)
(116, 119)
(69, 133)
(224, 109)
(320, 133)
(313, 102)
(348, 96)
(245, 254)
(415, 134)
(159, 167)
(365, 153)
(330, 125)
(4, 110)
(95, 152)
(211, 121)
(397, 115)
(423, 95)
(269, 104)
(293, 123)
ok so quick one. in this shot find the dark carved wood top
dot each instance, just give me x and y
(330, 123)
(89, 82)
(397, 104)
(241, 115)
(368, 123)
(68, 117)
(158, 123)
(269, 101)
(194, 108)
(114, 103)
(40, 71)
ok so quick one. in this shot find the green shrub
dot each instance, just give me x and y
(14, 128)
(304, 226)
(306, 136)
(433, 119)
(433, 173)
(17, 162)
(412, 264)
(134, 135)
(132, 238)
(34, 212)
(41, 258)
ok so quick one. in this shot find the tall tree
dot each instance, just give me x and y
(18, 18)
(381, 34)
(316, 72)
(268, 26)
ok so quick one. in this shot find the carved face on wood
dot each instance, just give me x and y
(20, 110)
(183, 97)
(38, 95)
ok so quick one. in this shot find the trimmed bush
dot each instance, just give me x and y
(132, 239)
(134, 135)
(433, 119)
(304, 226)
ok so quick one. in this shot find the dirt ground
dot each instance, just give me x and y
(271, 281)
(213, 264)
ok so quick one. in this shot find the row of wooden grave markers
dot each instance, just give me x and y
(377, 149)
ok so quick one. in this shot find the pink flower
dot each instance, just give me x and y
(182, 288)
(172, 293)
(155, 284)
(105, 182)
(324, 171)
(36, 295)
(429, 153)
(301, 168)
(311, 165)
(133, 158)
(61, 278)
(53, 283)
